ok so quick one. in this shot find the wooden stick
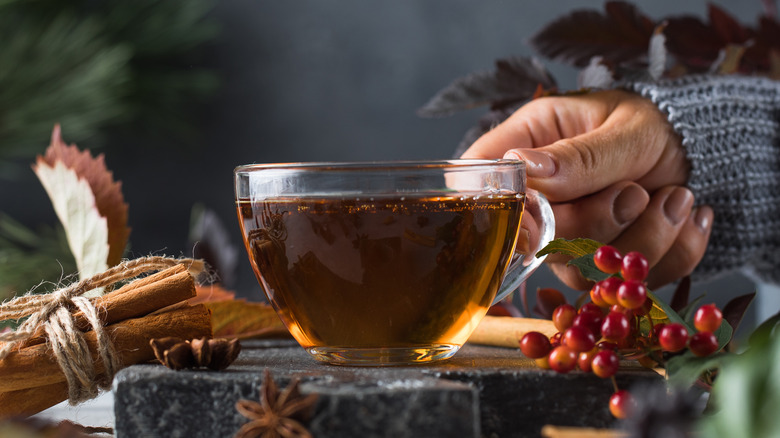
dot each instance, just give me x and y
(135, 299)
(549, 431)
(35, 366)
(505, 331)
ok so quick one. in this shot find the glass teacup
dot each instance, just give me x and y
(386, 263)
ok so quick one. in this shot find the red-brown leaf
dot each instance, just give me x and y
(108, 193)
(735, 309)
(515, 79)
(692, 42)
(621, 34)
(547, 299)
(727, 27)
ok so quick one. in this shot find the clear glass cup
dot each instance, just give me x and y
(387, 263)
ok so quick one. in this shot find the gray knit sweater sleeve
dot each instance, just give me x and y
(730, 126)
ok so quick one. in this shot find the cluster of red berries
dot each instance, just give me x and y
(600, 333)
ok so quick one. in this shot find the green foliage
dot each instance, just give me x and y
(93, 66)
(27, 256)
(746, 393)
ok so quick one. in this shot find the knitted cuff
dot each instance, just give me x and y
(730, 126)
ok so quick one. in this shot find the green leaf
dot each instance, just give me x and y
(670, 313)
(687, 311)
(576, 248)
(588, 268)
(724, 334)
(683, 370)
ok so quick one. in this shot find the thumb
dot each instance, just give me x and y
(618, 150)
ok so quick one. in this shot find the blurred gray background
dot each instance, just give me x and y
(309, 80)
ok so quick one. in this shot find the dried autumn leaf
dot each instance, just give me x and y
(108, 196)
(210, 293)
(241, 319)
(514, 80)
(74, 203)
(620, 34)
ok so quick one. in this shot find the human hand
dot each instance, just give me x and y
(613, 169)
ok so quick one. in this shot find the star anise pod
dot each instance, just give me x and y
(177, 353)
(277, 414)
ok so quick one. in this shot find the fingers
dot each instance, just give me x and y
(687, 250)
(577, 145)
(539, 123)
(669, 232)
(602, 216)
(635, 143)
(654, 233)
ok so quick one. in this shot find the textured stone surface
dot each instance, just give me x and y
(482, 391)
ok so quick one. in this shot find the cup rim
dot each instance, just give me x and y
(376, 165)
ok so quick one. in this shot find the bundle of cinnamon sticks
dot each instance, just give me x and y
(151, 307)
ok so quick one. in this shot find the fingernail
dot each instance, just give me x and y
(702, 217)
(678, 205)
(629, 204)
(537, 164)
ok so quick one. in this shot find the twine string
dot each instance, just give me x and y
(52, 311)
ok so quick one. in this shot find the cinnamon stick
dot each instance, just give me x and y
(135, 299)
(30, 401)
(505, 331)
(35, 366)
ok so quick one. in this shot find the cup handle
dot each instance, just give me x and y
(523, 265)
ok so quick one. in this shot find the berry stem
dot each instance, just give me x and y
(614, 383)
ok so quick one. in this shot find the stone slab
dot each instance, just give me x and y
(482, 391)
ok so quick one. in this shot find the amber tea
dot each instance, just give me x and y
(368, 276)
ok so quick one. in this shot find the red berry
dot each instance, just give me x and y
(562, 359)
(563, 316)
(708, 318)
(592, 308)
(634, 266)
(585, 358)
(645, 309)
(543, 363)
(579, 339)
(621, 404)
(609, 288)
(632, 294)
(535, 345)
(616, 326)
(590, 321)
(596, 296)
(605, 364)
(703, 344)
(608, 259)
(673, 337)
(620, 309)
